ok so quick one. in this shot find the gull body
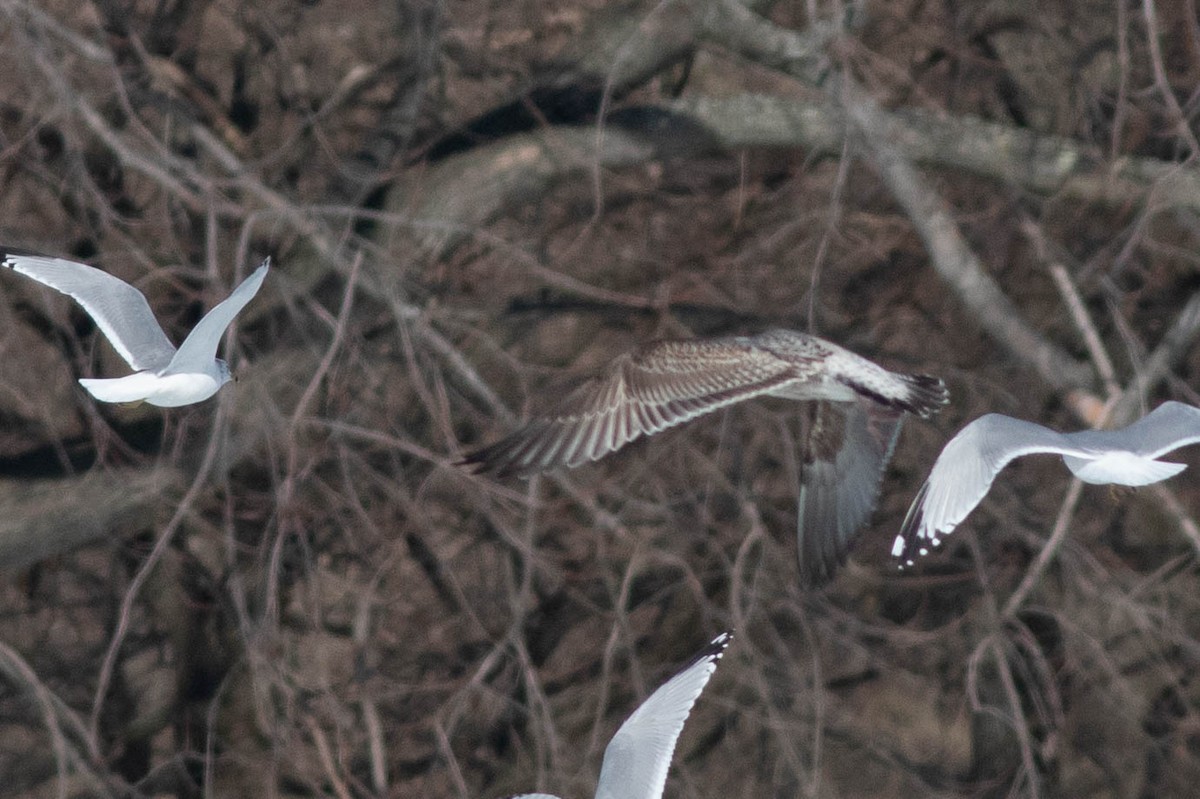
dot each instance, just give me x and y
(638, 757)
(966, 467)
(164, 376)
(164, 390)
(854, 409)
(1122, 468)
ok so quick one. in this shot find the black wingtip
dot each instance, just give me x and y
(483, 461)
(927, 395)
(923, 395)
(907, 544)
(715, 648)
(495, 459)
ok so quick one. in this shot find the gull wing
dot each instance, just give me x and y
(639, 755)
(663, 384)
(846, 447)
(118, 309)
(1168, 427)
(199, 349)
(964, 471)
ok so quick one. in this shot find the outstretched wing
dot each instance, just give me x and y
(846, 447)
(639, 755)
(964, 472)
(118, 309)
(1168, 427)
(663, 384)
(199, 349)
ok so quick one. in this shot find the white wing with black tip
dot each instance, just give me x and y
(966, 467)
(638, 757)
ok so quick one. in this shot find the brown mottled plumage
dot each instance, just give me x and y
(850, 429)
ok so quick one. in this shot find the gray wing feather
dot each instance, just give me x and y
(964, 471)
(199, 349)
(118, 309)
(638, 757)
(846, 449)
(1168, 427)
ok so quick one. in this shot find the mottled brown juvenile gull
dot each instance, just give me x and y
(963, 473)
(163, 375)
(637, 758)
(851, 423)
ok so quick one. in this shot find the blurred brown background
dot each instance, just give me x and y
(291, 590)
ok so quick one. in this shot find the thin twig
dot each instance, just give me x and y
(1182, 127)
(952, 257)
(1189, 527)
(23, 677)
(1057, 535)
(287, 490)
(125, 614)
(1083, 323)
(325, 755)
(151, 167)
(1175, 344)
(375, 746)
(1017, 720)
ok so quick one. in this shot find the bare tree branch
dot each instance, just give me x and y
(1037, 162)
(45, 518)
(1177, 342)
(953, 258)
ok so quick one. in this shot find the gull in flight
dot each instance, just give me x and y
(851, 420)
(164, 376)
(637, 759)
(964, 471)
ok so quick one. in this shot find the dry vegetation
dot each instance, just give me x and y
(291, 590)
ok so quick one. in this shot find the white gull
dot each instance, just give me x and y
(964, 471)
(164, 376)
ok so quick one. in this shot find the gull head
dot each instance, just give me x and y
(1122, 468)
